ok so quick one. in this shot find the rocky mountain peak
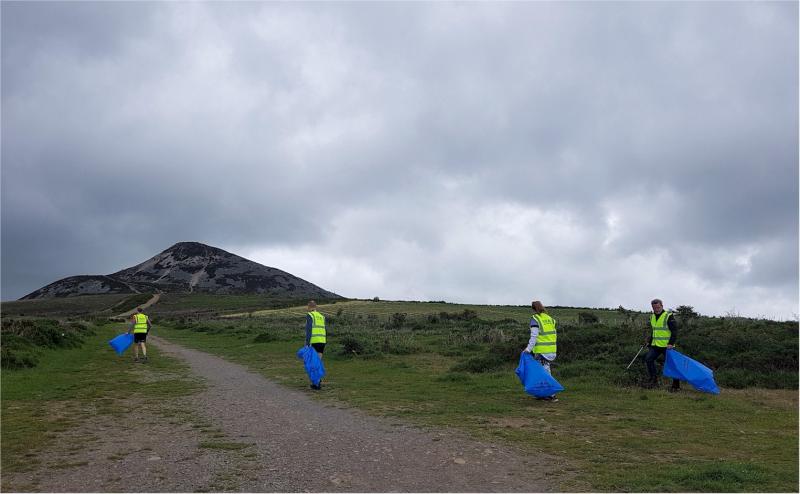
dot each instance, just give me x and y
(190, 267)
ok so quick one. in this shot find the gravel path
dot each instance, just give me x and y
(308, 446)
(268, 438)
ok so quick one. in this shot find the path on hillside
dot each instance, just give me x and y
(244, 433)
(150, 302)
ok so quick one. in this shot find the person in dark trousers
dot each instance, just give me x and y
(315, 332)
(663, 330)
(542, 343)
(140, 325)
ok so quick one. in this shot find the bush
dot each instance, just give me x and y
(400, 344)
(351, 345)
(587, 318)
(18, 353)
(23, 340)
(397, 320)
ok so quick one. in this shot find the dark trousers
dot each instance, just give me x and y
(650, 362)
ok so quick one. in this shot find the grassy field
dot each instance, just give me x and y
(385, 309)
(451, 365)
(85, 305)
(618, 437)
(73, 385)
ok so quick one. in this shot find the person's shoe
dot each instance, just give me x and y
(315, 386)
(144, 360)
(552, 399)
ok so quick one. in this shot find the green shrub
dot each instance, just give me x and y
(18, 353)
(587, 318)
(397, 320)
(400, 344)
(351, 345)
(22, 339)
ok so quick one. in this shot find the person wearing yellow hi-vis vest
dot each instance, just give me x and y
(140, 325)
(542, 343)
(316, 335)
(663, 330)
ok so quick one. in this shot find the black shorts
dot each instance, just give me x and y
(139, 337)
(319, 347)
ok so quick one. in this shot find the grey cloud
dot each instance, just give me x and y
(269, 124)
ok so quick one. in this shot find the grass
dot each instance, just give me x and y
(433, 364)
(384, 309)
(73, 306)
(71, 386)
(615, 438)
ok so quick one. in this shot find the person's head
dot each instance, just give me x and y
(312, 305)
(538, 307)
(139, 309)
(657, 305)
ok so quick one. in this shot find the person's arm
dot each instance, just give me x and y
(534, 335)
(131, 324)
(673, 330)
(309, 324)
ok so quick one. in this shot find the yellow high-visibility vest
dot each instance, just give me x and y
(546, 341)
(317, 328)
(661, 332)
(141, 323)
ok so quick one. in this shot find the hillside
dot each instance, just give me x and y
(188, 267)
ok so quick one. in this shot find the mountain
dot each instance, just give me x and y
(188, 267)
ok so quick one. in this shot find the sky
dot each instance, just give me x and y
(585, 154)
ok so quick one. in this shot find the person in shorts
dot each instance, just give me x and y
(140, 325)
(315, 331)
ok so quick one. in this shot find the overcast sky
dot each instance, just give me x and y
(584, 154)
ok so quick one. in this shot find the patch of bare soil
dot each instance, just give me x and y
(245, 433)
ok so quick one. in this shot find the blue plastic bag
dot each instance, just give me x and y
(121, 343)
(679, 366)
(312, 363)
(535, 379)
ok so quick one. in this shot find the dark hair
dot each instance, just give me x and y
(537, 306)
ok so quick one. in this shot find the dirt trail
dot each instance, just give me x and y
(150, 302)
(308, 446)
(281, 440)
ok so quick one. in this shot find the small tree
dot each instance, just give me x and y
(587, 318)
(629, 316)
(686, 314)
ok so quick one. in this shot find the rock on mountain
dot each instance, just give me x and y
(188, 267)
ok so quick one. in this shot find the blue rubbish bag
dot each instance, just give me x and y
(535, 379)
(121, 343)
(679, 366)
(312, 363)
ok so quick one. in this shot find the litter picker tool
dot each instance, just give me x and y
(636, 356)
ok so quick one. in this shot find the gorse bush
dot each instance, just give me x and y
(586, 318)
(24, 339)
(742, 352)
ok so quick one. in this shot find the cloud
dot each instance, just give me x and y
(591, 153)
